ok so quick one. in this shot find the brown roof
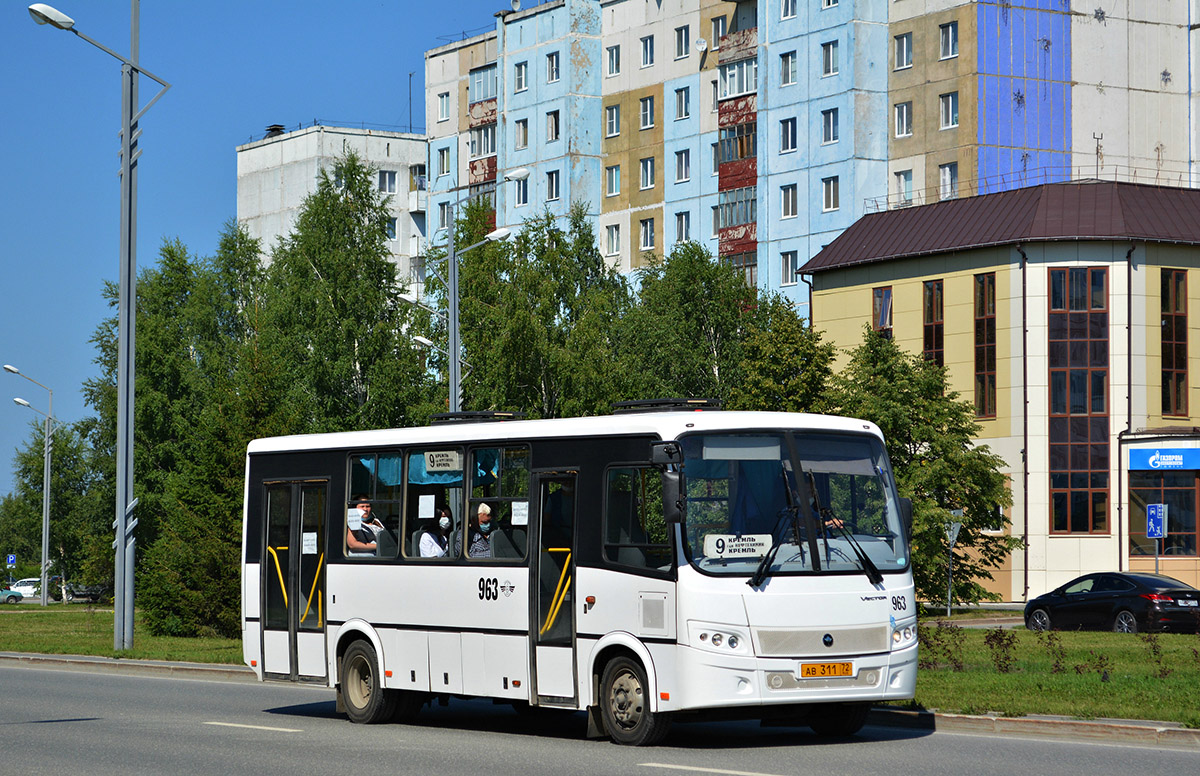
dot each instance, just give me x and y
(1081, 210)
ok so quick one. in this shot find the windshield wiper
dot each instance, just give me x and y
(868, 566)
(764, 565)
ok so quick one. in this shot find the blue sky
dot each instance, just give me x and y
(235, 67)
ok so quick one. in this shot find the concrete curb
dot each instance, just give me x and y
(1121, 731)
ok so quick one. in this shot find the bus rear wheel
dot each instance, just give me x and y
(362, 688)
(626, 707)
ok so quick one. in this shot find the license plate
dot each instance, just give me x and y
(822, 670)
(1188, 602)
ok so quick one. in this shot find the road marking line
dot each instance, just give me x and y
(697, 769)
(256, 727)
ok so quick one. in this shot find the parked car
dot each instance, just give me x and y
(1126, 602)
(29, 587)
(77, 592)
(9, 596)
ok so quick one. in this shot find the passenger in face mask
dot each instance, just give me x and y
(434, 539)
(480, 545)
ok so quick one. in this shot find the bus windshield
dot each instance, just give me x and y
(744, 494)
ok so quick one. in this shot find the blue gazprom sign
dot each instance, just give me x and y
(1164, 458)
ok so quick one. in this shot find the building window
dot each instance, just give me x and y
(391, 228)
(716, 221)
(552, 128)
(444, 106)
(443, 161)
(614, 60)
(788, 9)
(646, 111)
(904, 119)
(521, 191)
(903, 51)
(829, 58)
(985, 345)
(904, 193)
(683, 165)
(934, 322)
(789, 201)
(552, 67)
(482, 141)
(737, 142)
(1078, 343)
(520, 77)
(949, 109)
(790, 266)
(444, 215)
(647, 233)
(612, 180)
(715, 97)
(737, 206)
(613, 232)
(612, 120)
(552, 186)
(683, 103)
(949, 47)
(482, 84)
(829, 189)
(787, 135)
(829, 125)
(787, 68)
(387, 181)
(1176, 489)
(718, 31)
(948, 180)
(1174, 342)
(683, 41)
(683, 227)
(829, 3)
(737, 78)
(881, 311)
(648, 51)
(647, 170)
(521, 133)
(746, 265)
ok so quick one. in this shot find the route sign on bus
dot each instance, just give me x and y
(735, 546)
(1156, 521)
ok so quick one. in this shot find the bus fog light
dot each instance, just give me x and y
(733, 642)
(717, 638)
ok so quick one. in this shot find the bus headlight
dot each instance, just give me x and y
(904, 636)
(717, 638)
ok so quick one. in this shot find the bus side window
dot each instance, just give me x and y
(635, 532)
(435, 482)
(500, 479)
(375, 479)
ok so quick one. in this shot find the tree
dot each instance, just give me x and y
(785, 366)
(930, 435)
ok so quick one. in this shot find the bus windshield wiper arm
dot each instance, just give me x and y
(868, 566)
(764, 565)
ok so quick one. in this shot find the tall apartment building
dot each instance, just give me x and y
(764, 128)
(276, 174)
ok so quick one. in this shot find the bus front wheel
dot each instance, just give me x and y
(837, 720)
(626, 707)
(362, 687)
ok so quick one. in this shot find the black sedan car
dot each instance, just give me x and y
(1126, 602)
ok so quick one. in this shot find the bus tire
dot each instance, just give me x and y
(838, 720)
(362, 687)
(626, 707)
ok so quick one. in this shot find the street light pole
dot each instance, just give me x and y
(126, 313)
(47, 451)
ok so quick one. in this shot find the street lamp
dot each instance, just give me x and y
(127, 294)
(47, 445)
(454, 349)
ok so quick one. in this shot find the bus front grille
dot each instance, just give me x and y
(822, 642)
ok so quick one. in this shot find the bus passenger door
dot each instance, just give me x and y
(554, 569)
(293, 581)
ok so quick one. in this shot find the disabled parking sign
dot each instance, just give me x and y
(1156, 521)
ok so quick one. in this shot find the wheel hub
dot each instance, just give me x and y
(626, 700)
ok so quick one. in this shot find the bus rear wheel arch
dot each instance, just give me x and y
(360, 685)
(625, 704)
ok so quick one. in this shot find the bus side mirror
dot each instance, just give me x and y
(666, 453)
(673, 502)
(906, 517)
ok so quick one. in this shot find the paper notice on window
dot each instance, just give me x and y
(425, 507)
(354, 518)
(520, 513)
(734, 546)
(309, 543)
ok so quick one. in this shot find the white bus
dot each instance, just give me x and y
(663, 563)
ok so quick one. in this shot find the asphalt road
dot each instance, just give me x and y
(74, 722)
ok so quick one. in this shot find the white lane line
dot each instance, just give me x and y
(255, 727)
(696, 769)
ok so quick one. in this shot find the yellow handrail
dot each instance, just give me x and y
(316, 578)
(279, 571)
(560, 592)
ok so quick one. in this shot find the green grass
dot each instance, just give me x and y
(85, 630)
(1135, 688)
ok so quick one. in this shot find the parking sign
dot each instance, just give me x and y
(1156, 521)
(11, 560)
